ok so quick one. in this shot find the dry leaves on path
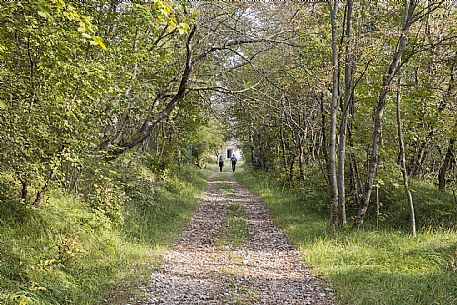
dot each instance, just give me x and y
(266, 269)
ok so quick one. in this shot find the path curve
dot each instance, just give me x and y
(265, 270)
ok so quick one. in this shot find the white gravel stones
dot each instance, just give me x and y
(266, 270)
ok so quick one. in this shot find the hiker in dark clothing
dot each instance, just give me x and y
(221, 163)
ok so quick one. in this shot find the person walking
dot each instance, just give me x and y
(233, 159)
(221, 163)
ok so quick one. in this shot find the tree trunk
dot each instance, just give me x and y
(354, 168)
(145, 130)
(348, 71)
(323, 131)
(446, 165)
(355, 179)
(291, 169)
(404, 172)
(378, 207)
(38, 199)
(333, 115)
(416, 163)
(24, 189)
(300, 161)
(283, 146)
(301, 158)
(379, 113)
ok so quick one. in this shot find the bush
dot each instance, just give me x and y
(73, 249)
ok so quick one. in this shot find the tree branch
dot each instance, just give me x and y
(150, 122)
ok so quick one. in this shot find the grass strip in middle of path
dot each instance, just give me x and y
(235, 232)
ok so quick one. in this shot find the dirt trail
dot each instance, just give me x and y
(265, 269)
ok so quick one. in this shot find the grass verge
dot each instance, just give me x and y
(65, 252)
(365, 267)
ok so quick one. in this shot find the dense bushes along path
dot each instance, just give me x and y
(232, 253)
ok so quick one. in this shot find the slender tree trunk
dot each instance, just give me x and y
(301, 142)
(323, 130)
(355, 174)
(348, 71)
(446, 165)
(378, 207)
(300, 161)
(314, 149)
(323, 158)
(259, 156)
(416, 163)
(24, 189)
(283, 146)
(379, 113)
(404, 172)
(291, 169)
(333, 114)
(251, 146)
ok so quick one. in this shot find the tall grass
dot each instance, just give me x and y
(386, 266)
(65, 252)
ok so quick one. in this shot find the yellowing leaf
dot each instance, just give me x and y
(44, 14)
(183, 28)
(99, 41)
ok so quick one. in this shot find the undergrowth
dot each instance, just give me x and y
(384, 266)
(71, 251)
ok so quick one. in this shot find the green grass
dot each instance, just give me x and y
(229, 190)
(428, 202)
(65, 253)
(235, 232)
(368, 267)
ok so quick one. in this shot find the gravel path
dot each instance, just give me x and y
(264, 270)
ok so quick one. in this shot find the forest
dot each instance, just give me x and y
(114, 112)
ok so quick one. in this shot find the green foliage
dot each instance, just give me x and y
(392, 267)
(283, 122)
(69, 69)
(67, 251)
(79, 78)
(165, 207)
(434, 209)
